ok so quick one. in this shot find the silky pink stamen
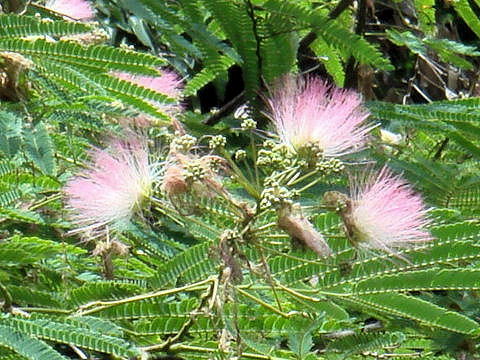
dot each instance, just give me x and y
(108, 193)
(75, 9)
(387, 213)
(168, 83)
(311, 111)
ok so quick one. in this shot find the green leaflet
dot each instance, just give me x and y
(426, 12)
(106, 57)
(419, 310)
(39, 148)
(10, 135)
(302, 342)
(25, 296)
(69, 334)
(190, 258)
(278, 47)
(243, 37)
(93, 324)
(422, 280)
(14, 25)
(102, 290)
(331, 31)
(331, 58)
(452, 246)
(149, 309)
(362, 342)
(9, 197)
(457, 119)
(27, 346)
(449, 51)
(20, 251)
(208, 74)
(463, 8)
(81, 78)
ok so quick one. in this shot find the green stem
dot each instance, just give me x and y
(101, 305)
(167, 212)
(301, 178)
(270, 280)
(303, 260)
(297, 294)
(276, 236)
(254, 151)
(45, 310)
(263, 303)
(314, 182)
(45, 201)
(264, 227)
(253, 191)
(247, 167)
(161, 208)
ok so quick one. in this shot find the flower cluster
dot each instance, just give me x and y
(312, 112)
(386, 212)
(275, 195)
(276, 156)
(112, 188)
(382, 211)
(310, 116)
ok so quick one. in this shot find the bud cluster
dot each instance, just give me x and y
(183, 143)
(275, 195)
(330, 166)
(215, 163)
(312, 149)
(248, 124)
(278, 156)
(216, 142)
(240, 155)
(194, 171)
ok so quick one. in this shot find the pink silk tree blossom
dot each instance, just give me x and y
(76, 9)
(385, 213)
(169, 83)
(112, 188)
(311, 112)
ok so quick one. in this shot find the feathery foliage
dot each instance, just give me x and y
(206, 236)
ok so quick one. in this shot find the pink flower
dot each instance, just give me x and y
(385, 213)
(168, 83)
(112, 189)
(311, 112)
(75, 9)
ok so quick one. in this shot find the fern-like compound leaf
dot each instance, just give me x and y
(27, 346)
